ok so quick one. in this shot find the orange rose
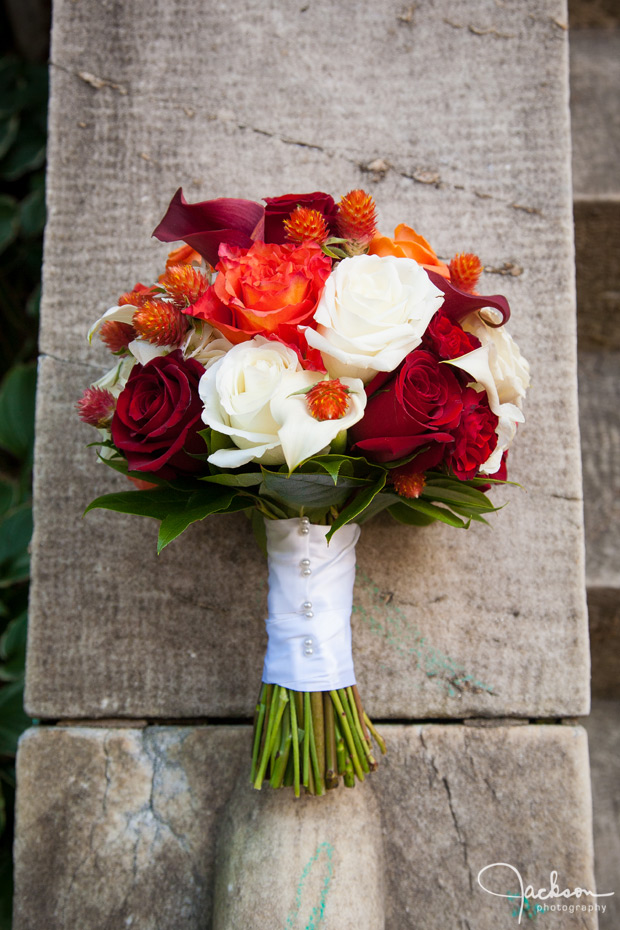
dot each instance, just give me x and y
(267, 289)
(407, 243)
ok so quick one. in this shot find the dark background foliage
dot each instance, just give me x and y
(23, 128)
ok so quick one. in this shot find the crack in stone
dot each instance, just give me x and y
(72, 361)
(430, 760)
(461, 837)
(491, 788)
(424, 176)
(92, 852)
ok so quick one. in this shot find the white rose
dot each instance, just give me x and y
(500, 369)
(204, 343)
(374, 310)
(251, 395)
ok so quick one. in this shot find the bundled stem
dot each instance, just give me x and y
(310, 739)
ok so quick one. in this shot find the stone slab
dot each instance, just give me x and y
(603, 728)
(595, 118)
(599, 414)
(125, 832)
(595, 112)
(604, 613)
(597, 246)
(488, 622)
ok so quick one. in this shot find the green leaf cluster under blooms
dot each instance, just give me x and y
(330, 489)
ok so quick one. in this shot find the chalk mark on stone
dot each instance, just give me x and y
(385, 618)
(315, 918)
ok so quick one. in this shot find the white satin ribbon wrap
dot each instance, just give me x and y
(329, 588)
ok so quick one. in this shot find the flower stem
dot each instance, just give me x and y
(377, 738)
(307, 725)
(318, 730)
(258, 728)
(278, 703)
(331, 762)
(311, 738)
(359, 749)
(360, 711)
(279, 768)
(346, 729)
(295, 738)
(362, 733)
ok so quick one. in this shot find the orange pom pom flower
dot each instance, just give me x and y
(305, 223)
(465, 269)
(160, 322)
(357, 216)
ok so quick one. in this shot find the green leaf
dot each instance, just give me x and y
(156, 503)
(310, 491)
(437, 513)
(235, 479)
(215, 441)
(32, 213)
(476, 500)
(9, 220)
(471, 515)
(17, 398)
(382, 501)
(27, 154)
(357, 506)
(8, 131)
(120, 465)
(13, 718)
(197, 507)
(7, 496)
(15, 571)
(13, 640)
(13, 648)
(411, 517)
(15, 532)
(33, 303)
(258, 528)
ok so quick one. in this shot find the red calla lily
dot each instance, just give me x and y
(205, 225)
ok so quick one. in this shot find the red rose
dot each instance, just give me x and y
(157, 417)
(266, 290)
(419, 406)
(447, 339)
(279, 209)
(475, 438)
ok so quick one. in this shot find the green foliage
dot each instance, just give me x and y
(332, 489)
(17, 399)
(23, 118)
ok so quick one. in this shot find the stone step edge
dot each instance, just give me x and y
(124, 723)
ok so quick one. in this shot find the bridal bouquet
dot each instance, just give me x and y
(294, 363)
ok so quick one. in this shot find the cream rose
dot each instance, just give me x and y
(374, 310)
(252, 395)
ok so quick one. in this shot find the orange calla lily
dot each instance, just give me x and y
(407, 243)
